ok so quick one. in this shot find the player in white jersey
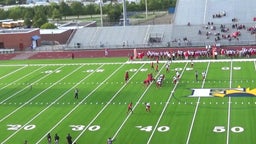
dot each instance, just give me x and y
(148, 107)
(203, 75)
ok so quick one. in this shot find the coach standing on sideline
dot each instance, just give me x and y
(56, 139)
(49, 138)
(69, 139)
(109, 141)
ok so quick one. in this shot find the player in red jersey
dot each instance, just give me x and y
(130, 108)
(126, 76)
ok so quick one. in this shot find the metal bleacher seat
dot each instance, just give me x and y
(197, 14)
(6, 51)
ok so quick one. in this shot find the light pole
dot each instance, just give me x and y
(101, 17)
(146, 6)
(124, 13)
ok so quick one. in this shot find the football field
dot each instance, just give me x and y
(37, 98)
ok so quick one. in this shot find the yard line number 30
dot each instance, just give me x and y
(216, 129)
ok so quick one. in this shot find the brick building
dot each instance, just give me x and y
(55, 36)
(19, 39)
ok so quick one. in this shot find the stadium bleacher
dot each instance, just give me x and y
(198, 14)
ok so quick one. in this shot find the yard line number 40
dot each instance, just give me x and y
(216, 129)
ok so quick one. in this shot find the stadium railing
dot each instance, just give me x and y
(166, 44)
(6, 51)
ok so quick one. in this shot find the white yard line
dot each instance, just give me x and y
(229, 102)
(104, 108)
(166, 105)
(197, 104)
(29, 100)
(26, 87)
(43, 109)
(115, 135)
(21, 78)
(255, 65)
(43, 137)
(6, 75)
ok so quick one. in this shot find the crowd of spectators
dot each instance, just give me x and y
(197, 54)
(219, 14)
(217, 33)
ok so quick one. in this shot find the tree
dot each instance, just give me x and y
(154, 5)
(56, 14)
(77, 8)
(48, 26)
(29, 13)
(15, 13)
(40, 17)
(114, 12)
(132, 7)
(3, 14)
(10, 2)
(90, 9)
(28, 17)
(65, 9)
(28, 22)
(50, 8)
(173, 3)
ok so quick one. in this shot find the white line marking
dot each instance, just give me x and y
(229, 102)
(161, 115)
(198, 101)
(104, 108)
(43, 109)
(27, 101)
(43, 137)
(6, 75)
(255, 65)
(13, 82)
(115, 135)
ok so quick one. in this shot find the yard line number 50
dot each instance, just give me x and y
(235, 129)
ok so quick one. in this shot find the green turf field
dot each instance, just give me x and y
(37, 98)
